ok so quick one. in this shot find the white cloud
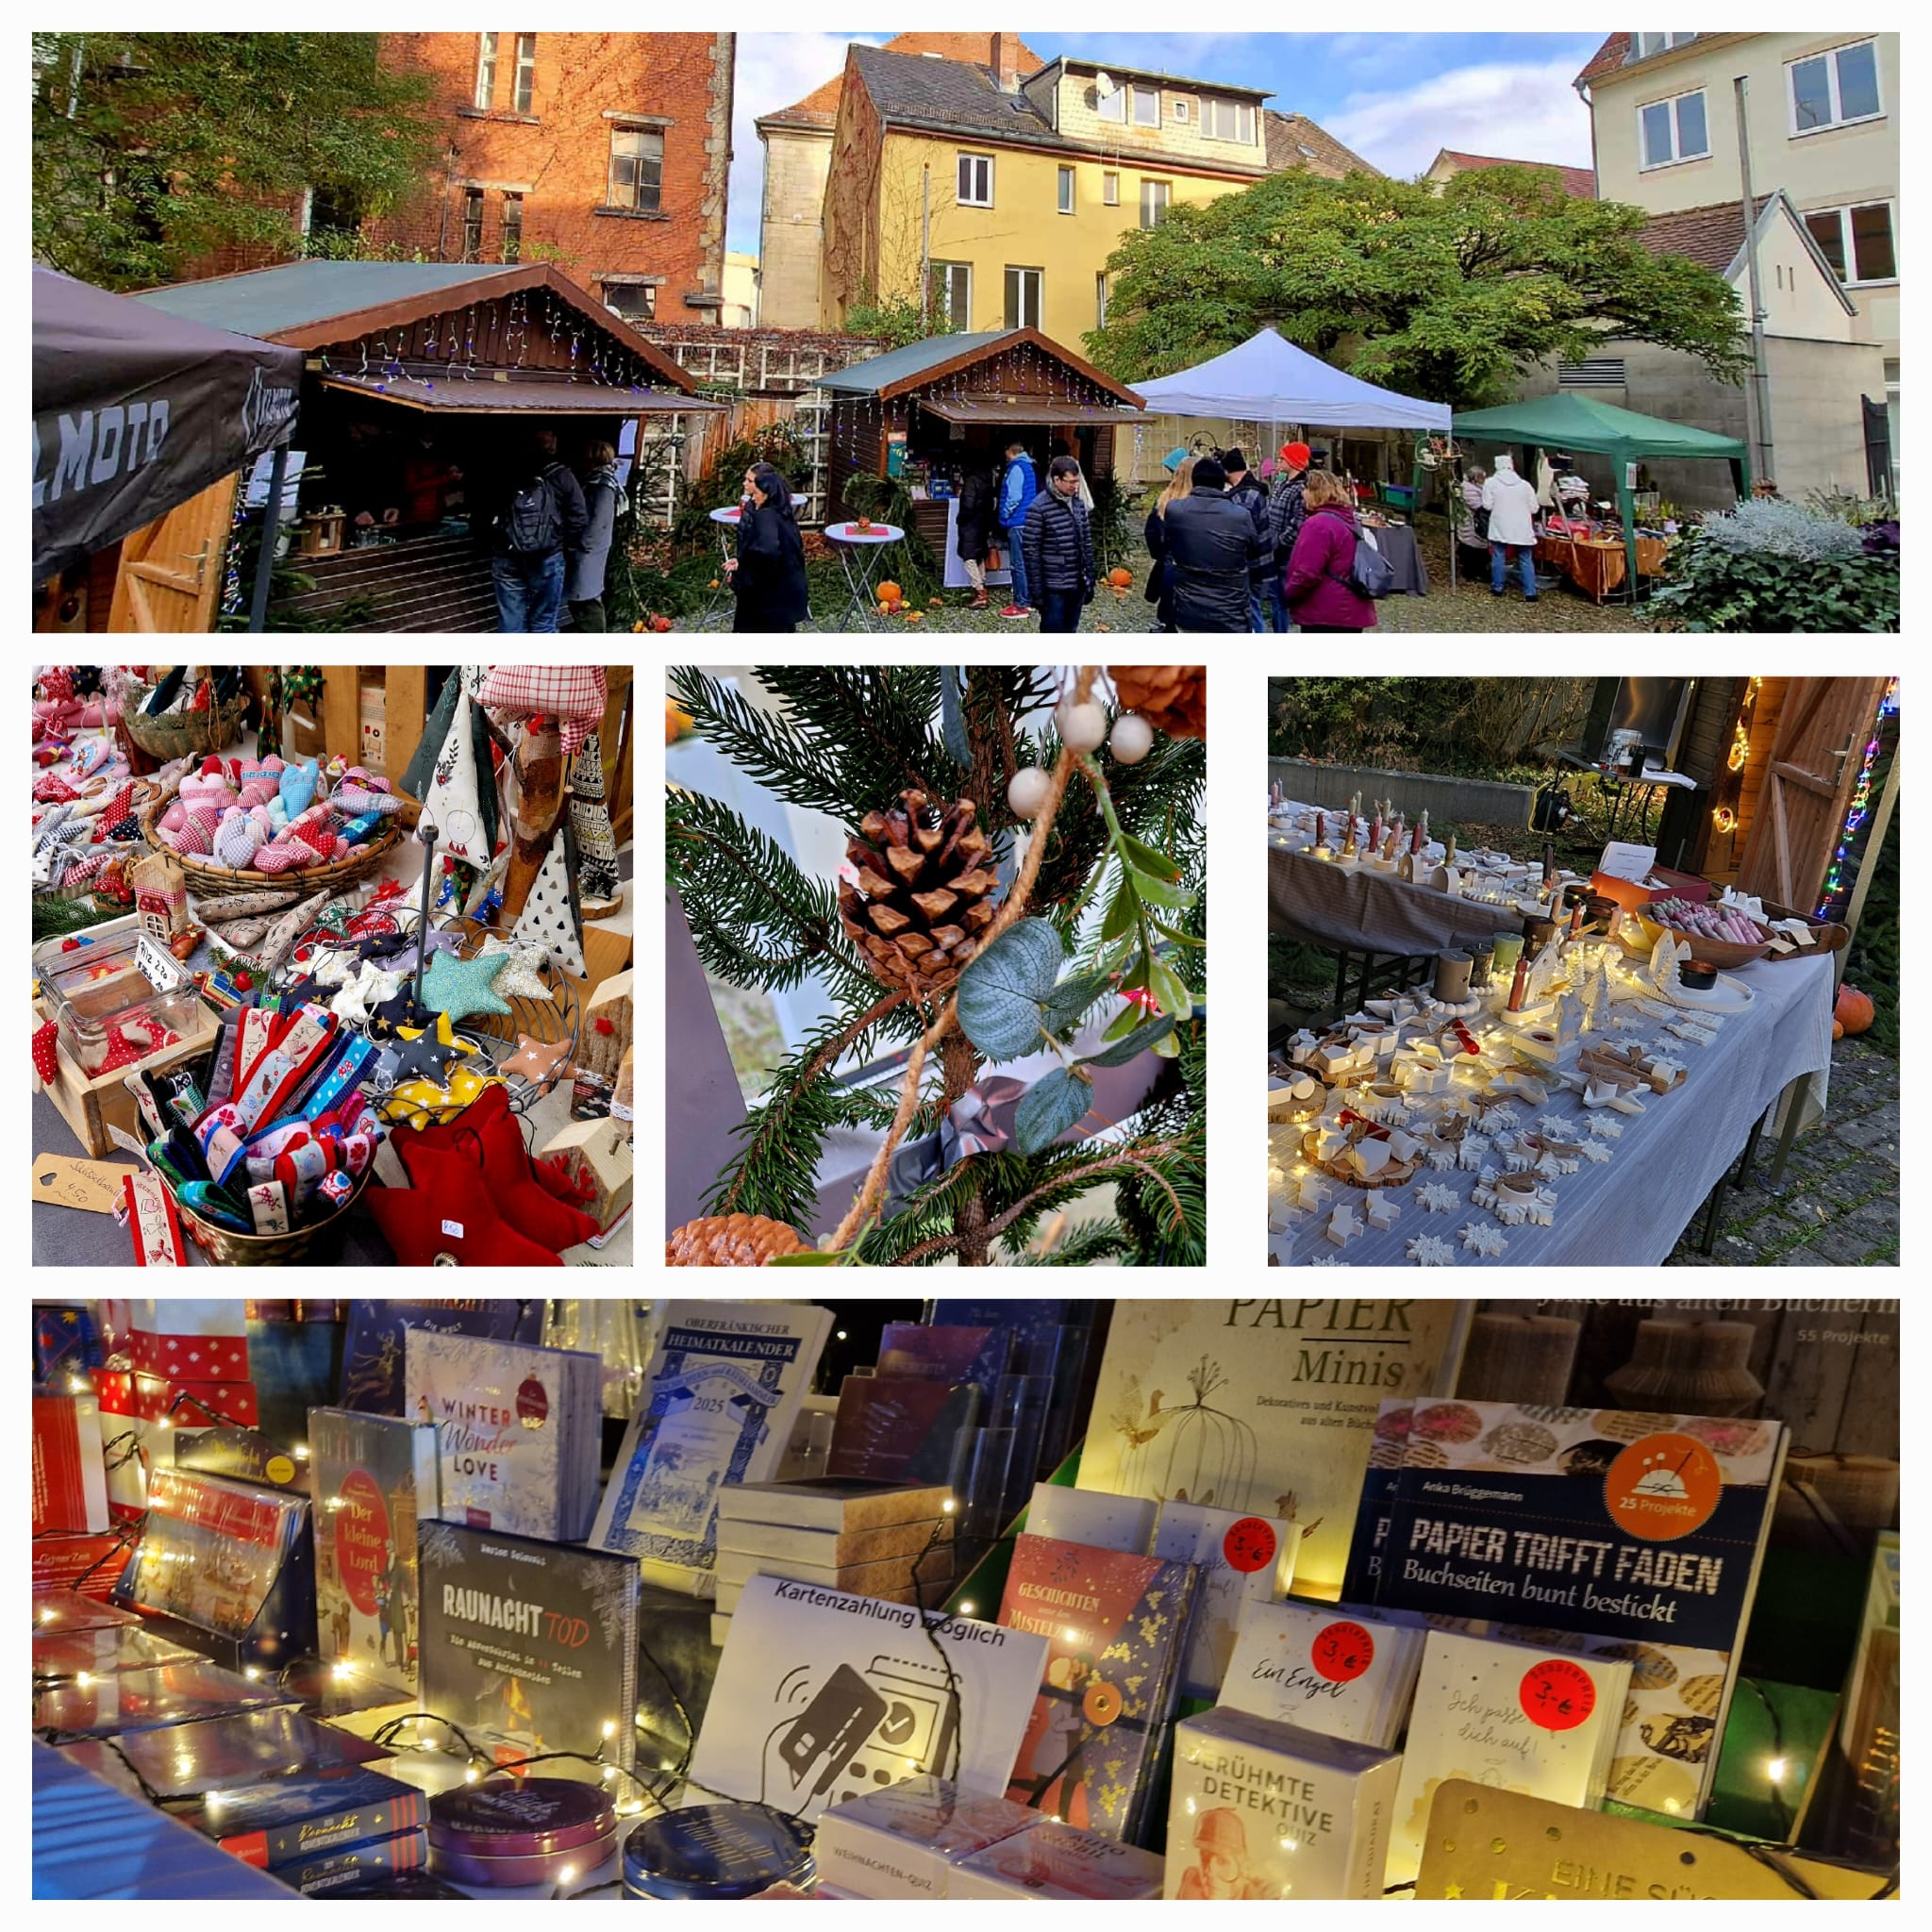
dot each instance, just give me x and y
(1520, 111)
(774, 71)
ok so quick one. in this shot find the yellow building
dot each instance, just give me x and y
(1013, 189)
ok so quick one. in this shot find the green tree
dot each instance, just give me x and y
(1448, 296)
(895, 320)
(152, 149)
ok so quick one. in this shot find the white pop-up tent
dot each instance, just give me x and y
(1269, 380)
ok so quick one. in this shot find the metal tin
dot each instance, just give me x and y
(530, 1867)
(519, 1818)
(717, 1851)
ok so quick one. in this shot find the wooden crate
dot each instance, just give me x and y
(89, 1107)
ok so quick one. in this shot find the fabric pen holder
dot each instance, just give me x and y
(268, 1204)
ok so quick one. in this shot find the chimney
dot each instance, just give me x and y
(1005, 62)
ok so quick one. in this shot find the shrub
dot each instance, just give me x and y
(1771, 566)
(1768, 527)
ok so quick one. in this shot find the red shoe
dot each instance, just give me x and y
(1016, 610)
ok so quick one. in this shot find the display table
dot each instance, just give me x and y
(861, 553)
(1631, 1210)
(1396, 542)
(1596, 564)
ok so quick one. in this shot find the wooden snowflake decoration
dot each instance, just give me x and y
(1430, 1251)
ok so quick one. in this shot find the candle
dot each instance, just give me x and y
(1518, 983)
(1482, 955)
(1321, 829)
(1416, 837)
(1375, 830)
(1452, 978)
(1549, 864)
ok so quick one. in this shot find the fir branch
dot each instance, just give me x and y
(1086, 1248)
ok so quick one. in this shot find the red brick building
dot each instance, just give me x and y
(607, 153)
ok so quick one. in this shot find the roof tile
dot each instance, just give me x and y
(1296, 141)
(1577, 181)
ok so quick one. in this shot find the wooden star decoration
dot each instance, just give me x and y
(425, 1053)
(534, 1059)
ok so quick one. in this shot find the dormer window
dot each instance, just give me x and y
(1180, 110)
(1228, 121)
(1146, 106)
(1648, 45)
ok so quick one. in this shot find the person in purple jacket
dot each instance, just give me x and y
(1315, 584)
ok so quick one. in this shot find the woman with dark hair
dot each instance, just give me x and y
(972, 528)
(768, 574)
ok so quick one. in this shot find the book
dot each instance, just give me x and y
(1361, 1576)
(934, 1570)
(287, 1819)
(122, 1701)
(69, 1476)
(821, 1696)
(905, 1840)
(1057, 1861)
(374, 1475)
(940, 1354)
(69, 1653)
(902, 1428)
(1240, 1560)
(529, 1646)
(1116, 1627)
(403, 1851)
(840, 1504)
(1092, 1517)
(1330, 1668)
(830, 1548)
(211, 1550)
(1267, 1408)
(372, 1349)
(61, 1609)
(1509, 1715)
(519, 1431)
(1263, 1809)
(1637, 1537)
(726, 1380)
(222, 1753)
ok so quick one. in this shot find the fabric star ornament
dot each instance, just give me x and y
(388, 1017)
(447, 1215)
(358, 1000)
(534, 1060)
(549, 918)
(460, 987)
(520, 978)
(425, 1054)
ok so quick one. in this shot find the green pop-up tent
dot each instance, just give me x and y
(1569, 422)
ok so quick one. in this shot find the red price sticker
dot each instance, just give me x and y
(1341, 1652)
(1557, 1694)
(1249, 1544)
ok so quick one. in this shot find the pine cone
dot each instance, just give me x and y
(730, 1240)
(924, 893)
(1172, 697)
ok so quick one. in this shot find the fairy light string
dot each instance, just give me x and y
(1841, 873)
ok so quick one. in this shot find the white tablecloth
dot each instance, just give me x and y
(1631, 1210)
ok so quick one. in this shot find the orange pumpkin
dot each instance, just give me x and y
(891, 594)
(1120, 577)
(1838, 1029)
(1853, 1010)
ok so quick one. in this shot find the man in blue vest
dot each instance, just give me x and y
(1019, 486)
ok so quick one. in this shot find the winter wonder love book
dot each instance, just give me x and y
(1324, 1667)
(1264, 1407)
(1116, 1628)
(372, 1349)
(529, 1646)
(725, 1384)
(374, 1475)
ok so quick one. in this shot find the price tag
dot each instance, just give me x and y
(1557, 1694)
(93, 1185)
(156, 965)
(1341, 1652)
(1249, 1544)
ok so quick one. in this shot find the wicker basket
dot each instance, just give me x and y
(227, 1249)
(177, 734)
(210, 881)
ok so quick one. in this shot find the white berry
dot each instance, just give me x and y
(1082, 727)
(1132, 740)
(1027, 792)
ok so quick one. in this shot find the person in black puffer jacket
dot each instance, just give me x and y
(1215, 557)
(1058, 542)
(768, 574)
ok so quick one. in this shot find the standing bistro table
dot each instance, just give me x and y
(1396, 542)
(729, 519)
(860, 554)
(1631, 1210)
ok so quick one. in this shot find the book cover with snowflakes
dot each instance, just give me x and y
(1116, 1627)
(372, 1349)
(529, 1646)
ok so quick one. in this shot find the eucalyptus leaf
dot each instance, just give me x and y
(1072, 998)
(1146, 858)
(1003, 991)
(953, 716)
(1136, 1043)
(1049, 1107)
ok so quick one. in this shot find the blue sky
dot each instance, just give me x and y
(1394, 98)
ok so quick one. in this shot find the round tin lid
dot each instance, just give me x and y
(716, 1850)
(509, 1818)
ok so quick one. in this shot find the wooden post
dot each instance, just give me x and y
(1881, 822)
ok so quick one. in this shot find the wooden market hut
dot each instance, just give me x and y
(933, 405)
(400, 356)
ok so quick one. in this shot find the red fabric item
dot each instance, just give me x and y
(46, 1061)
(574, 694)
(449, 1209)
(517, 1187)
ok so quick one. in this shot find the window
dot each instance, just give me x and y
(952, 292)
(1857, 241)
(1228, 121)
(526, 72)
(1110, 189)
(1066, 192)
(472, 225)
(1831, 89)
(1674, 130)
(1099, 300)
(1648, 45)
(1111, 107)
(637, 169)
(1153, 200)
(1024, 286)
(1146, 106)
(512, 227)
(486, 70)
(634, 301)
(1180, 110)
(976, 181)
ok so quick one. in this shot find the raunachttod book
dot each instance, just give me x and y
(1640, 1536)
(374, 1476)
(529, 1646)
(1263, 1406)
(726, 1382)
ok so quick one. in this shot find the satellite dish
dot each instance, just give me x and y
(1103, 85)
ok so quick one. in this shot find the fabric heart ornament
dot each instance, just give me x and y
(194, 836)
(257, 791)
(235, 839)
(211, 766)
(358, 799)
(46, 1054)
(48, 790)
(278, 857)
(318, 835)
(174, 817)
(298, 786)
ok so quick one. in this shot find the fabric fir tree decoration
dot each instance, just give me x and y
(590, 817)
(551, 917)
(1006, 897)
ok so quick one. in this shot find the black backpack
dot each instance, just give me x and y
(531, 524)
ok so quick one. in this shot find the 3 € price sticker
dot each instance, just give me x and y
(1341, 1652)
(1249, 1544)
(1557, 1694)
